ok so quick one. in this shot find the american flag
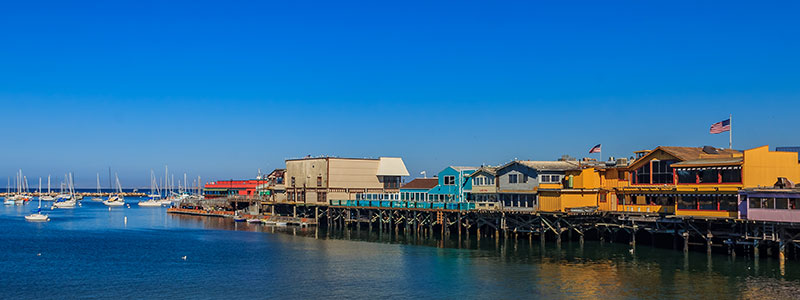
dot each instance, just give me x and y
(595, 149)
(720, 127)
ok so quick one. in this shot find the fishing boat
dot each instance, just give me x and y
(118, 199)
(239, 218)
(38, 216)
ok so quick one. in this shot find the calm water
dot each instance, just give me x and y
(91, 252)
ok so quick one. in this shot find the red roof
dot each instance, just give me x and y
(421, 184)
(241, 184)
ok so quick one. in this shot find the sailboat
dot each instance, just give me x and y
(99, 196)
(38, 216)
(66, 200)
(8, 200)
(47, 197)
(118, 199)
(155, 199)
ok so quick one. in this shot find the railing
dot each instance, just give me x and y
(406, 204)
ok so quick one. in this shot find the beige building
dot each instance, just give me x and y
(317, 180)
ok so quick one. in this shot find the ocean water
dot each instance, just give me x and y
(93, 252)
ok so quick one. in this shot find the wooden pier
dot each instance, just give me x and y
(721, 235)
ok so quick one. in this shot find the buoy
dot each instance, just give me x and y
(39, 254)
(126, 220)
(109, 208)
(184, 257)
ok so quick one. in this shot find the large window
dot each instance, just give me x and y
(731, 175)
(545, 178)
(449, 180)
(512, 178)
(687, 176)
(643, 174)
(391, 182)
(662, 171)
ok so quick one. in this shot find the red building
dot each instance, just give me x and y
(225, 188)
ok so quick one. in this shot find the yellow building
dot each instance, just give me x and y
(591, 185)
(700, 181)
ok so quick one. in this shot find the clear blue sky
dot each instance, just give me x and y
(220, 89)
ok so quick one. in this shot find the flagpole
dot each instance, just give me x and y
(730, 132)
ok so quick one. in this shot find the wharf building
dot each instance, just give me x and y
(316, 180)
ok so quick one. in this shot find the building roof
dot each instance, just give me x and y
(551, 165)
(391, 166)
(490, 170)
(462, 168)
(709, 162)
(421, 184)
(694, 153)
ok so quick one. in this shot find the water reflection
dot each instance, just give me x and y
(573, 269)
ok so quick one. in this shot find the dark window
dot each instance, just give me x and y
(292, 180)
(794, 203)
(709, 176)
(687, 176)
(621, 175)
(449, 180)
(393, 182)
(662, 171)
(768, 203)
(602, 198)
(731, 175)
(322, 196)
(687, 202)
(728, 203)
(707, 203)
(524, 178)
(319, 180)
(512, 178)
(643, 174)
(545, 178)
(754, 202)
(781, 203)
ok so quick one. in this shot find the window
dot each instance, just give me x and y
(449, 180)
(545, 178)
(754, 202)
(781, 203)
(768, 203)
(319, 180)
(512, 178)
(643, 174)
(554, 178)
(687, 176)
(662, 171)
(292, 180)
(391, 182)
(322, 196)
(524, 178)
(480, 180)
(731, 175)
(794, 203)
(491, 180)
(602, 198)
(621, 175)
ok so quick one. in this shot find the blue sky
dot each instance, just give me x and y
(219, 90)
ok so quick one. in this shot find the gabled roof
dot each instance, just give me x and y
(489, 170)
(691, 153)
(421, 184)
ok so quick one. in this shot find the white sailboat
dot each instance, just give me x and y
(8, 200)
(66, 200)
(47, 197)
(38, 216)
(155, 198)
(118, 199)
(98, 198)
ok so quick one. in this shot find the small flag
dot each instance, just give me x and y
(720, 127)
(595, 149)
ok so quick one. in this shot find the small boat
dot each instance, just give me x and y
(38, 216)
(270, 223)
(254, 221)
(282, 224)
(150, 203)
(118, 199)
(238, 218)
(65, 203)
(47, 198)
(8, 201)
